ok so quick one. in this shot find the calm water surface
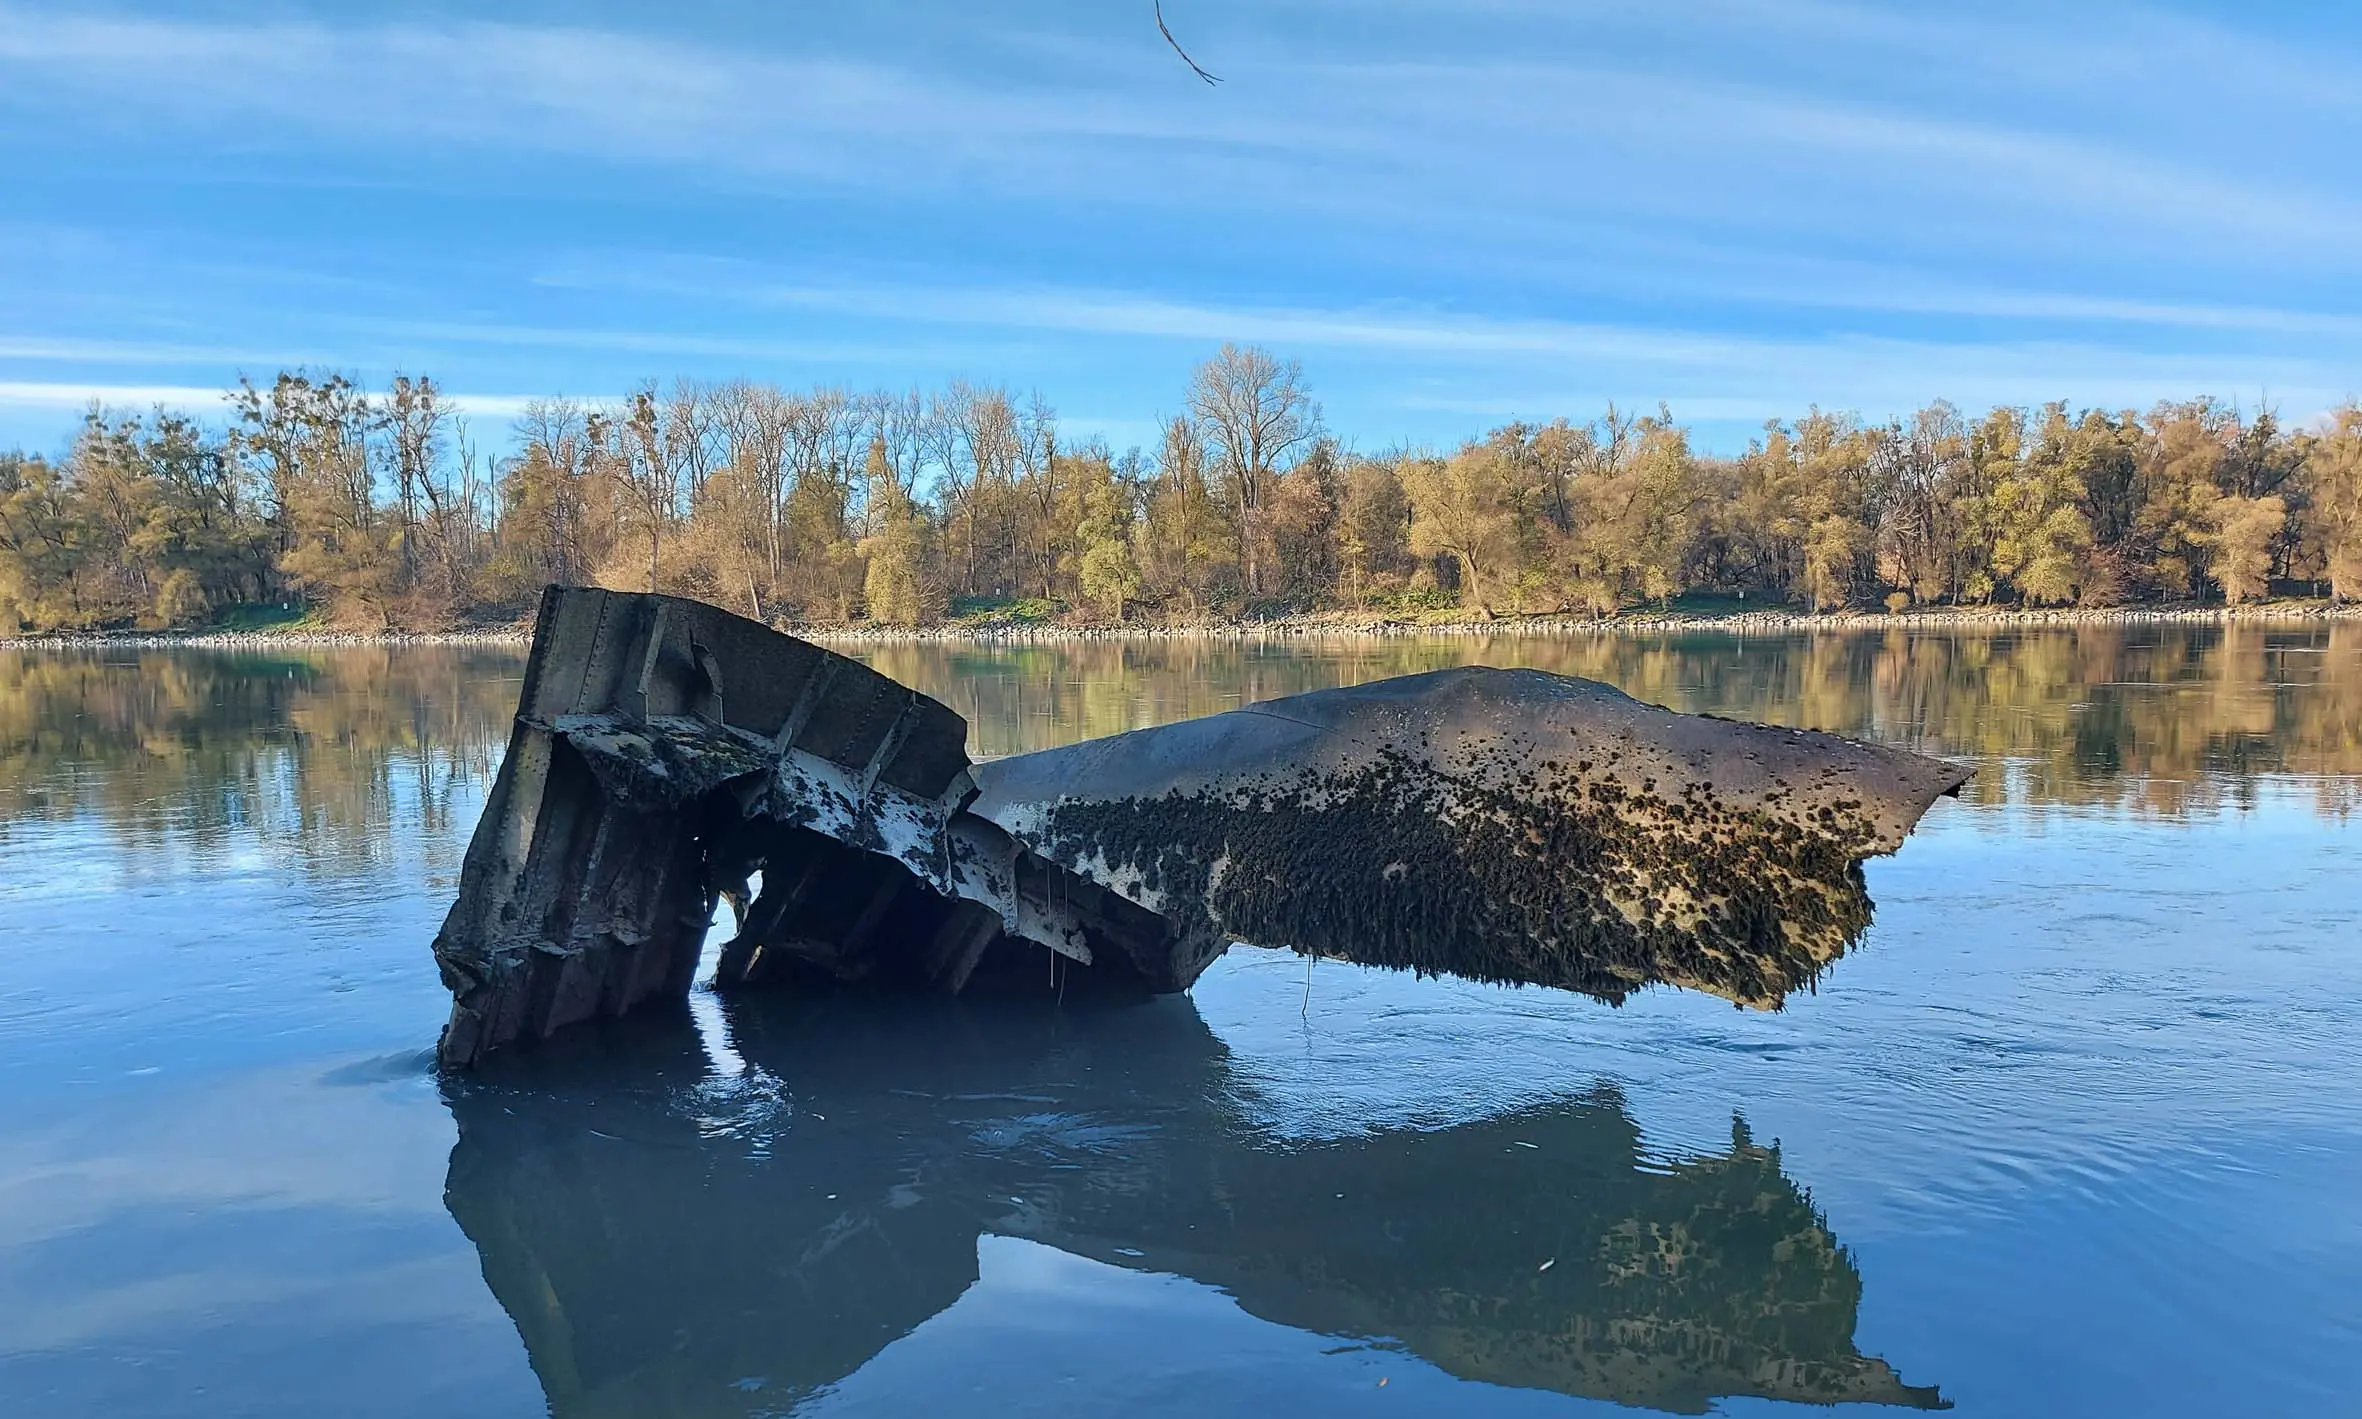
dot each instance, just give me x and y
(2077, 1132)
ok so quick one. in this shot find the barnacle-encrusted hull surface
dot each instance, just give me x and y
(1505, 825)
(1509, 825)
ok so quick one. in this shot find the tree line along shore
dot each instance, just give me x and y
(990, 628)
(313, 506)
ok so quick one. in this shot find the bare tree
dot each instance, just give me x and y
(755, 420)
(1037, 425)
(412, 415)
(557, 452)
(825, 438)
(693, 438)
(993, 450)
(955, 482)
(896, 425)
(650, 477)
(1921, 465)
(1254, 412)
(457, 511)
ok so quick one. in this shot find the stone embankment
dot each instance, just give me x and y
(1956, 619)
(1637, 622)
(265, 640)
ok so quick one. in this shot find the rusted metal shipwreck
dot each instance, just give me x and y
(1505, 825)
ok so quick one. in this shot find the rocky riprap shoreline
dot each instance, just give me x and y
(1290, 627)
(1742, 623)
(265, 640)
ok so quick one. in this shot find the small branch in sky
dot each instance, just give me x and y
(1195, 67)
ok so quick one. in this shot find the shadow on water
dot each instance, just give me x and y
(662, 1216)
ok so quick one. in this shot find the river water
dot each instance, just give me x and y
(2077, 1131)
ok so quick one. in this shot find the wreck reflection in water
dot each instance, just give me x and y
(677, 1236)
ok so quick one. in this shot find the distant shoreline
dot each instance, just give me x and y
(1323, 624)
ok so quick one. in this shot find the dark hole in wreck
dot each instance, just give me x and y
(830, 914)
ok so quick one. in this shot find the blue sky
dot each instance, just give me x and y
(1453, 213)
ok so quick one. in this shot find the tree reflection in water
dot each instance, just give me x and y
(659, 1226)
(2156, 719)
(326, 756)
(322, 757)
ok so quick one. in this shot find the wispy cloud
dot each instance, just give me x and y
(1414, 138)
(1446, 207)
(207, 400)
(146, 352)
(375, 343)
(613, 93)
(2119, 48)
(1870, 293)
(51, 394)
(647, 344)
(1436, 361)
(1371, 328)
(1409, 329)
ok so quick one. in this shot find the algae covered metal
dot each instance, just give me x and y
(1506, 825)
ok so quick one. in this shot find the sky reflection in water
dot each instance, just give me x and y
(2074, 1132)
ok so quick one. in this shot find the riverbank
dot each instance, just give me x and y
(1334, 623)
(1343, 623)
(201, 638)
